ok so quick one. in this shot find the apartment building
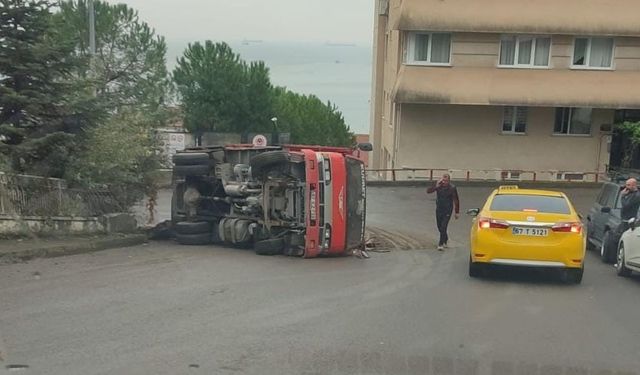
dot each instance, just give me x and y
(511, 85)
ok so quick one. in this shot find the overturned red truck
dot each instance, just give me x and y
(305, 201)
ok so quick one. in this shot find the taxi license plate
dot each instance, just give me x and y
(534, 232)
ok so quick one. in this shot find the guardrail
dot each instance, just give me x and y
(23, 195)
(432, 174)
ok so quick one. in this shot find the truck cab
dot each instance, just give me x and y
(306, 201)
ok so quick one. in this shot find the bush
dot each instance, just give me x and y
(121, 154)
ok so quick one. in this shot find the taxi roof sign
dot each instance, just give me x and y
(508, 187)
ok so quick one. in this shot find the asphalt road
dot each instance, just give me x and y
(167, 309)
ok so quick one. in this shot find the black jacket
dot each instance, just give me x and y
(630, 205)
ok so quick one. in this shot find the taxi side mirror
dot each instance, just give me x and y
(473, 212)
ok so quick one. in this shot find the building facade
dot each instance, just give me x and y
(502, 85)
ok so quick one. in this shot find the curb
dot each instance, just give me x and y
(44, 251)
(494, 184)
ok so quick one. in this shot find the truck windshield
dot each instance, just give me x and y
(356, 191)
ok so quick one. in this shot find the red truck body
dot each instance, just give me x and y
(298, 200)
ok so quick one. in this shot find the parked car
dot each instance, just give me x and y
(628, 255)
(602, 221)
(527, 228)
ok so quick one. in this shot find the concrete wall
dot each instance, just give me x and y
(51, 225)
(470, 137)
(38, 225)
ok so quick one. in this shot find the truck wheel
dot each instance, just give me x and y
(272, 246)
(191, 159)
(191, 170)
(194, 239)
(199, 227)
(176, 215)
(262, 163)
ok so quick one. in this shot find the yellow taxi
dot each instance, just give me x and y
(529, 228)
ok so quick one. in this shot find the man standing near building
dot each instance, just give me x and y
(446, 201)
(630, 200)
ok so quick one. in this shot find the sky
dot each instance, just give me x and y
(335, 21)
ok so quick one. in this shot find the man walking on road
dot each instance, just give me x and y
(446, 201)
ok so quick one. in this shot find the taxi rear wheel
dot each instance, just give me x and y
(573, 275)
(475, 269)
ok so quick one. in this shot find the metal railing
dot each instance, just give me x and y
(432, 174)
(22, 195)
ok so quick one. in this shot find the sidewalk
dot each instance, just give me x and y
(16, 250)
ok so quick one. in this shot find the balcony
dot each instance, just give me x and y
(573, 17)
(524, 87)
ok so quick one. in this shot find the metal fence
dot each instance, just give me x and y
(431, 174)
(22, 195)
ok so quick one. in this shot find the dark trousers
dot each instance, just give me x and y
(442, 220)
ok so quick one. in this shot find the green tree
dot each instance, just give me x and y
(259, 97)
(210, 80)
(630, 132)
(35, 109)
(129, 68)
(309, 120)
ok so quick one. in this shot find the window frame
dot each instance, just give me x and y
(568, 133)
(534, 46)
(586, 66)
(410, 55)
(514, 118)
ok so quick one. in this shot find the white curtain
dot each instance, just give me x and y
(440, 48)
(581, 121)
(580, 51)
(421, 47)
(507, 119)
(524, 51)
(508, 51)
(543, 46)
(601, 52)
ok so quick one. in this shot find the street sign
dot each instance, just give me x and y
(259, 140)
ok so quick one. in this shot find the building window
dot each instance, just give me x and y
(573, 121)
(525, 51)
(594, 53)
(514, 120)
(429, 49)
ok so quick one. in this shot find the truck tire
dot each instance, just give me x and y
(199, 227)
(274, 246)
(194, 239)
(176, 213)
(191, 170)
(262, 163)
(199, 158)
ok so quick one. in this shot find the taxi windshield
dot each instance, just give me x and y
(533, 203)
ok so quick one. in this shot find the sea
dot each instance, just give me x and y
(336, 73)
